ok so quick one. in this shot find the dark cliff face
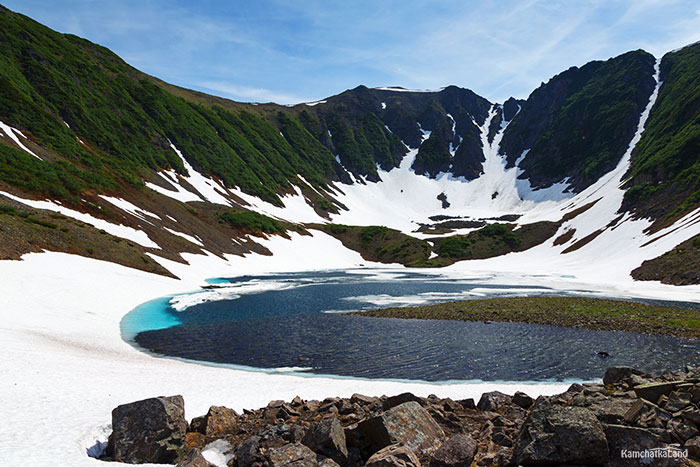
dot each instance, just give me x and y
(579, 124)
(369, 127)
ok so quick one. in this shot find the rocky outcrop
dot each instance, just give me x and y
(151, 430)
(194, 458)
(590, 424)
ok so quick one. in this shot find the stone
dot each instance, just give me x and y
(626, 438)
(363, 400)
(468, 403)
(217, 422)
(455, 452)
(148, 431)
(291, 455)
(494, 401)
(652, 391)
(678, 401)
(396, 455)
(693, 447)
(327, 438)
(560, 435)
(620, 374)
(194, 458)
(523, 400)
(682, 429)
(408, 423)
(393, 401)
(248, 452)
(328, 462)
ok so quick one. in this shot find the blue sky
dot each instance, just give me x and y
(291, 52)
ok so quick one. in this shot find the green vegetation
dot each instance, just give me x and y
(252, 222)
(665, 169)
(433, 156)
(494, 240)
(381, 244)
(578, 312)
(580, 123)
(127, 121)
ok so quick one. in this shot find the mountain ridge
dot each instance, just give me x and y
(79, 123)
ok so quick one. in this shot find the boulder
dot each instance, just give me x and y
(396, 455)
(393, 401)
(523, 400)
(363, 400)
(455, 452)
(327, 438)
(652, 391)
(291, 455)
(560, 435)
(620, 374)
(194, 458)
(148, 431)
(217, 422)
(248, 452)
(408, 423)
(494, 401)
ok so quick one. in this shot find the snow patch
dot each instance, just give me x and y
(12, 133)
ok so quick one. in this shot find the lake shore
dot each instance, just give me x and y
(576, 312)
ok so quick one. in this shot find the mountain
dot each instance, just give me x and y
(102, 160)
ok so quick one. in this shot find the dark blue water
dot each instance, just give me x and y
(288, 328)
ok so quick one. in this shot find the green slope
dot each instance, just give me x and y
(665, 171)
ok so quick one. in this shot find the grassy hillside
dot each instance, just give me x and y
(62, 90)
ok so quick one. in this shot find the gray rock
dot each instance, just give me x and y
(408, 423)
(194, 458)
(217, 422)
(560, 435)
(291, 455)
(396, 455)
(151, 430)
(494, 401)
(328, 462)
(327, 438)
(455, 452)
(248, 452)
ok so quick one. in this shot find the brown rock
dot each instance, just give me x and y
(194, 458)
(523, 400)
(393, 401)
(408, 423)
(678, 400)
(494, 401)
(396, 455)
(653, 391)
(455, 452)
(693, 447)
(216, 423)
(682, 429)
(620, 374)
(291, 455)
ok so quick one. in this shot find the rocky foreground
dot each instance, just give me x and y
(632, 419)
